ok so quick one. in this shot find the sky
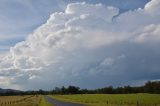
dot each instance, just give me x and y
(86, 43)
(20, 18)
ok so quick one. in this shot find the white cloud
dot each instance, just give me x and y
(150, 33)
(86, 39)
(153, 7)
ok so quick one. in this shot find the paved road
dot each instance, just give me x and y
(60, 103)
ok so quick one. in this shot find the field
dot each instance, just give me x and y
(112, 99)
(43, 102)
(23, 101)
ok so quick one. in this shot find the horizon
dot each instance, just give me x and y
(109, 86)
(85, 43)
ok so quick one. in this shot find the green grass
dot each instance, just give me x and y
(43, 102)
(112, 99)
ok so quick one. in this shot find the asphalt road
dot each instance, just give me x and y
(60, 103)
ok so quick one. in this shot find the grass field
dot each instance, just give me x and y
(112, 99)
(44, 103)
(23, 101)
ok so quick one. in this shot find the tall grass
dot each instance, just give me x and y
(112, 99)
(22, 101)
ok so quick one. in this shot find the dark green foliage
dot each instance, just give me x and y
(149, 87)
(152, 87)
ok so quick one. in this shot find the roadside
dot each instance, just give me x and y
(55, 102)
(43, 102)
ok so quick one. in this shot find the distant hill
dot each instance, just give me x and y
(8, 91)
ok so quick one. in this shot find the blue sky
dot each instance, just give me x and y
(91, 44)
(20, 18)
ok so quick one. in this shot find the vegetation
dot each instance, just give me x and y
(112, 99)
(30, 100)
(121, 96)
(149, 87)
(44, 103)
(20, 100)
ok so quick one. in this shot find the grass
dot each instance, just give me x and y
(23, 101)
(112, 99)
(43, 102)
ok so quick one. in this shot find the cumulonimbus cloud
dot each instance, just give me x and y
(89, 45)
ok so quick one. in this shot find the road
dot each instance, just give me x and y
(60, 103)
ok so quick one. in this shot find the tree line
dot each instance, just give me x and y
(149, 87)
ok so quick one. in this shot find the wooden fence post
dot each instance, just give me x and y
(137, 103)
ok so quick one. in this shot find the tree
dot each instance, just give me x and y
(73, 90)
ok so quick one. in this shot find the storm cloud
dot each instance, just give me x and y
(88, 45)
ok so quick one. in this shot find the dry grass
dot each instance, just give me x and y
(20, 100)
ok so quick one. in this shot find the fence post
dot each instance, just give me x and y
(137, 103)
